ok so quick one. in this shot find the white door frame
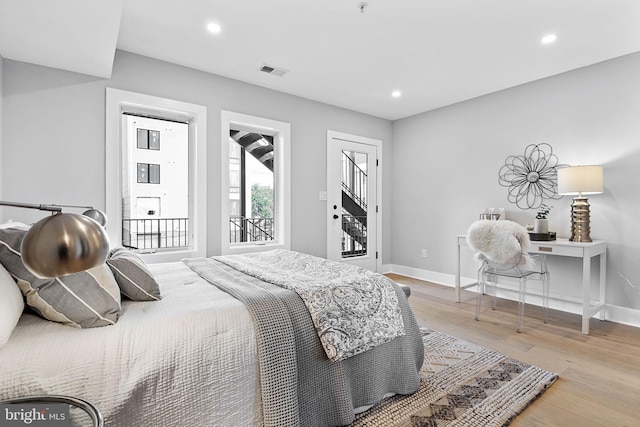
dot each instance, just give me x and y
(331, 135)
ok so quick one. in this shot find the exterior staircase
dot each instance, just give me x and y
(259, 146)
(354, 208)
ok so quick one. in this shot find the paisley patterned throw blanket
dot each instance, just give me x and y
(352, 309)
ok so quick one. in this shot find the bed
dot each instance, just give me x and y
(206, 354)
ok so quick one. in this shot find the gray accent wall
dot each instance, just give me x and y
(446, 166)
(440, 167)
(54, 137)
(2, 158)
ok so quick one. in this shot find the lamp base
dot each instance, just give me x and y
(580, 221)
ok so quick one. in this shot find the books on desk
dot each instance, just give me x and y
(542, 237)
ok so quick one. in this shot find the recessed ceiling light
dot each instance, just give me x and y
(549, 38)
(214, 28)
(396, 94)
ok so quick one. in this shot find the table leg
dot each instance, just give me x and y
(603, 284)
(457, 283)
(586, 293)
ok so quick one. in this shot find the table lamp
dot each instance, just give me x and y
(579, 181)
(63, 243)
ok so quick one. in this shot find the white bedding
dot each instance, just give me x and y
(124, 370)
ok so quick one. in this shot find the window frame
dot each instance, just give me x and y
(281, 132)
(119, 101)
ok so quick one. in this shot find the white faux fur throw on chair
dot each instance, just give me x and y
(502, 242)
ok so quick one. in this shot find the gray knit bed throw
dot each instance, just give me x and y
(300, 386)
(353, 309)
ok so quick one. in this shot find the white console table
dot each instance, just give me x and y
(563, 247)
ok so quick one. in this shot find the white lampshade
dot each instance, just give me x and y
(577, 180)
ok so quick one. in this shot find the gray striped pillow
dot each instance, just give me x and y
(86, 299)
(134, 278)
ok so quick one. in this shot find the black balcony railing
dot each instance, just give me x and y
(155, 233)
(354, 236)
(250, 229)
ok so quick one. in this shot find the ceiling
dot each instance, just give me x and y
(436, 52)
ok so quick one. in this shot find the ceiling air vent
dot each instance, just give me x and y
(274, 71)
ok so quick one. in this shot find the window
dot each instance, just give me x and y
(156, 192)
(148, 173)
(251, 187)
(255, 183)
(148, 139)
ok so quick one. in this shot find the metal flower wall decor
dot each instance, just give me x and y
(531, 178)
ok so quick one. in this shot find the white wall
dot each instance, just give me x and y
(446, 166)
(54, 137)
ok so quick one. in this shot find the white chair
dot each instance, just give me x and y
(502, 247)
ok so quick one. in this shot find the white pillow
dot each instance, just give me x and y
(11, 305)
(14, 224)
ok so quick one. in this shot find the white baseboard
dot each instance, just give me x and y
(624, 315)
(416, 273)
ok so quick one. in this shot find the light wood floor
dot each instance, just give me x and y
(599, 382)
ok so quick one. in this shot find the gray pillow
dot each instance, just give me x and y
(134, 278)
(86, 299)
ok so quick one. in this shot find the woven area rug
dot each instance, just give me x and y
(461, 384)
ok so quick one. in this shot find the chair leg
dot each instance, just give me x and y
(494, 292)
(545, 295)
(523, 291)
(479, 296)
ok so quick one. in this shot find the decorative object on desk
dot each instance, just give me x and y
(461, 383)
(541, 224)
(543, 211)
(62, 243)
(493, 214)
(490, 216)
(579, 181)
(532, 177)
